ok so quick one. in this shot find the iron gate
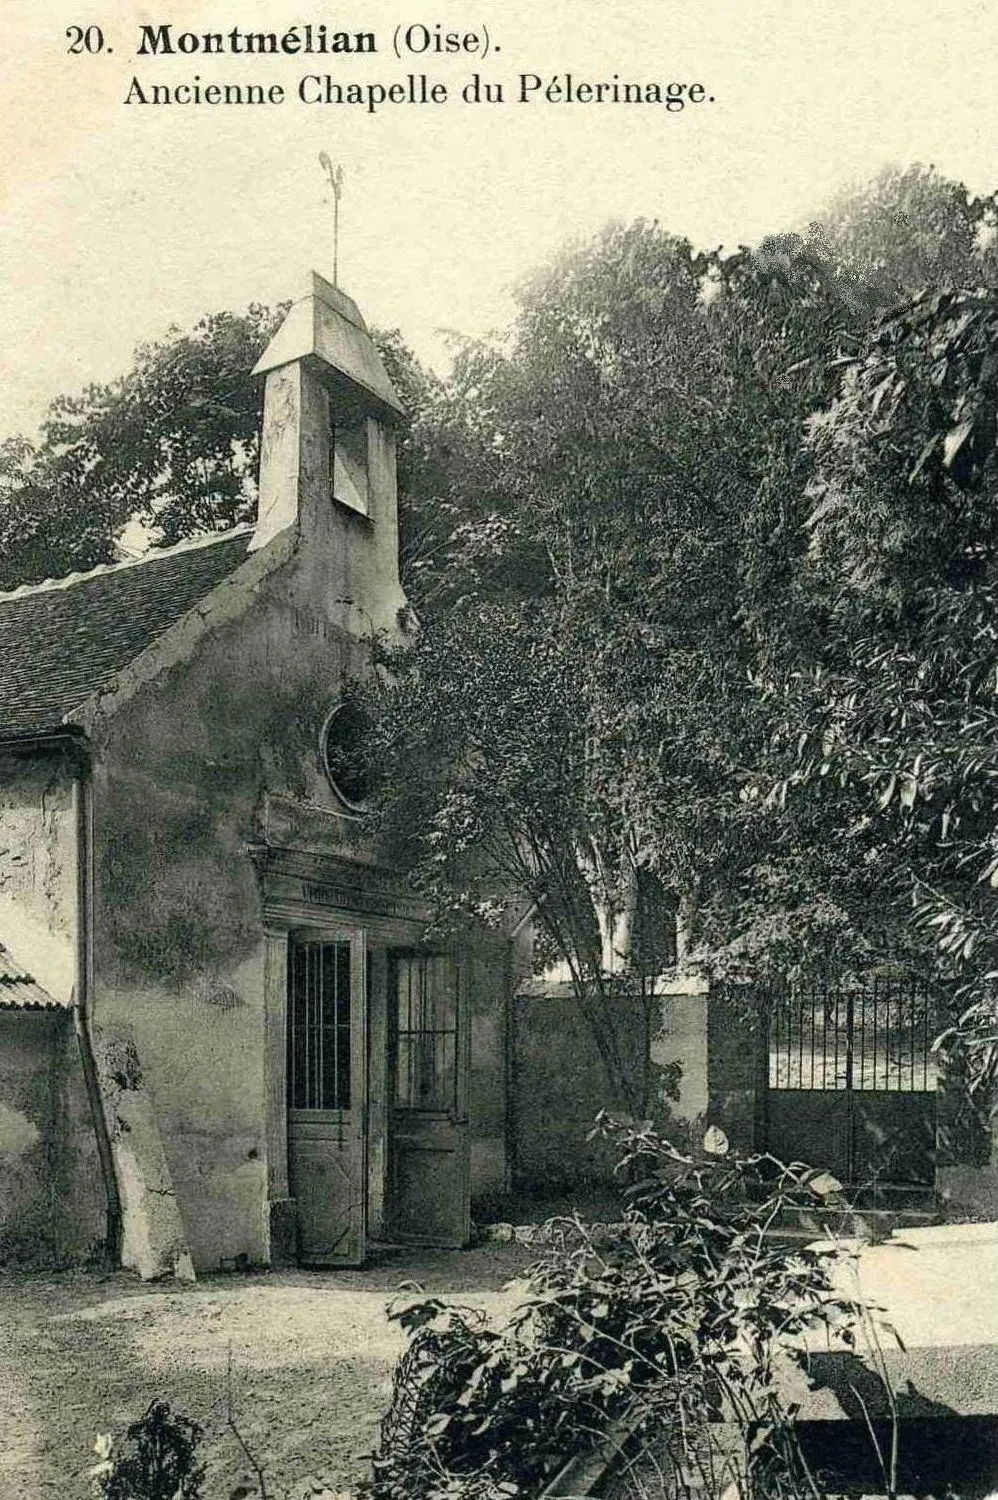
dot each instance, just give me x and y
(852, 1080)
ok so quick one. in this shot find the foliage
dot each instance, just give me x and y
(825, 879)
(173, 445)
(561, 728)
(612, 594)
(638, 1334)
(893, 730)
(910, 231)
(160, 1463)
(167, 451)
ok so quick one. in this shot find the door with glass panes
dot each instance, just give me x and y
(428, 1199)
(327, 1026)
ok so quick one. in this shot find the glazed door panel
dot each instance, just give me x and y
(327, 1026)
(429, 1179)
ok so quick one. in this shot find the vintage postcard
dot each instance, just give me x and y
(498, 831)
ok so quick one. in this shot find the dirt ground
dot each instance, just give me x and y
(311, 1355)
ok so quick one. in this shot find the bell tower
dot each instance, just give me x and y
(327, 460)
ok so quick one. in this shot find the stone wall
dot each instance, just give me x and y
(558, 1082)
(557, 1087)
(184, 774)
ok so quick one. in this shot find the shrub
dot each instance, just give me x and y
(161, 1463)
(635, 1334)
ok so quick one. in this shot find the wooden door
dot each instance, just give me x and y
(327, 1027)
(429, 1178)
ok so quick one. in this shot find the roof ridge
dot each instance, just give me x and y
(69, 580)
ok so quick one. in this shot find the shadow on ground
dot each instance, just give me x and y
(310, 1354)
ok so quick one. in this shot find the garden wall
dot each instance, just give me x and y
(557, 1082)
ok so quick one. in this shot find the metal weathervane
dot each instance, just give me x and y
(335, 175)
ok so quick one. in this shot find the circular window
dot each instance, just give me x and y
(341, 747)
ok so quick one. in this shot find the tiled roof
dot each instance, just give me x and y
(18, 991)
(63, 640)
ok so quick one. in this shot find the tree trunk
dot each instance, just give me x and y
(686, 915)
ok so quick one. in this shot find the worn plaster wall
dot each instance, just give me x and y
(187, 770)
(557, 1087)
(38, 867)
(350, 558)
(51, 1194)
(737, 1065)
(27, 1130)
(79, 1198)
(489, 965)
(51, 1201)
(558, 1083)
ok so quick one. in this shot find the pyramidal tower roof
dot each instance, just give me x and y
(325, 325)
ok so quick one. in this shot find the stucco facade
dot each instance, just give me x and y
(51, 1203)
(225, 1038)
(281, 1067)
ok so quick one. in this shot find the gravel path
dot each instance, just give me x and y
(311, 1356)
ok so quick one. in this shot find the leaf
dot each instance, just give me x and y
(926, 453)
(715, 1141)
(954, 441)
(885, 796)
(879, 394)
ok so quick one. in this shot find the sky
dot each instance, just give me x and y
(122, 219)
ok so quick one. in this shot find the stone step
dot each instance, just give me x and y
(845, 1222)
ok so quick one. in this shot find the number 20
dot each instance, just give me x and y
(85, 39)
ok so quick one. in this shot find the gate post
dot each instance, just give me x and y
(734, 1024)
(850, 1083)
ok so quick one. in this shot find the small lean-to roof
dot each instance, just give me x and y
(64, 640)
(18, 991)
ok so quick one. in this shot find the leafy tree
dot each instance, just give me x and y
(909, 231)
(572, 720)
(172, 445)
(825, 882)
(620, 603)
(32, 529)
(897, 718)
